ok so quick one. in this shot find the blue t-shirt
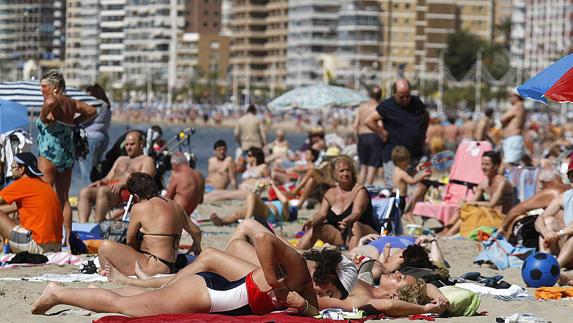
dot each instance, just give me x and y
(406, 126)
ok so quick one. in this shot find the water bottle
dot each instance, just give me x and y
(6, 247)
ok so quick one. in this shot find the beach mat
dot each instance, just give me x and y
(202, 317)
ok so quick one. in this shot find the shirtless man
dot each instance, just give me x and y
(551, 186)
(484, 125)
(186, 186)
(221, 169)
(495, 193)
(451, 134)
(370, 145)
(513, 123)
(110, 191)
(468, 128)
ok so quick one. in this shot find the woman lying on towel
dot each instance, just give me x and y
(153, 232)
(345, 213)
(217, 282)
(494, 197)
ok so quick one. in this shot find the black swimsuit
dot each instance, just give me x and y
(365, 218)
(176, 237)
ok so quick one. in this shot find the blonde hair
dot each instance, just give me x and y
(400, 154)
(56, 79)
(343, 158)
(414, 293)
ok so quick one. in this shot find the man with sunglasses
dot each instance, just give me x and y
(40, 215)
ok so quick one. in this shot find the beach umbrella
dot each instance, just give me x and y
(28, 94)
(317, 97)
(554, 83)
(13, 115)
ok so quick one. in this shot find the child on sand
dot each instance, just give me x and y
(401, 159)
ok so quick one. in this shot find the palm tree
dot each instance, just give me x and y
(503, 29)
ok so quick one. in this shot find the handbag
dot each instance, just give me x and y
(115, 230)
(81, 144)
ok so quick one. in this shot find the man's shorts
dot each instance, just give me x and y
(21, 240)
(513, 149)
(370, 148)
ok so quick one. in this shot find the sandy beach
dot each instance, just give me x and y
(17, 295)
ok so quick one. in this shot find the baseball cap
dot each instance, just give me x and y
(29, 160)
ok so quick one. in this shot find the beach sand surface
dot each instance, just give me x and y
(17, 296)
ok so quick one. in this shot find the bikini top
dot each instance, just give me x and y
(177, 236)
(366, 216)
(251, 173)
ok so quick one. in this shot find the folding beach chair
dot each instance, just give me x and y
(387, 215)
(524, 179)
(465, 175)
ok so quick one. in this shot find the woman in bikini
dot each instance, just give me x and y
(256, 170)
(55, 138)
(273, 211)
(217, 282)
(153, 232)
(345, 213)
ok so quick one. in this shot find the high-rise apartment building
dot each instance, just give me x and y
(203, 16)
(202, 53)
(147, 30)
(312, 31)
(111, 41)
(226, 17)
(416, 32)
(258, 42)
(82, 42)
(31, 30)
(358, 40)
(542, 32)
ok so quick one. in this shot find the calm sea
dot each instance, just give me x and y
(201, 143)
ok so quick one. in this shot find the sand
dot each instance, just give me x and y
(16, 297)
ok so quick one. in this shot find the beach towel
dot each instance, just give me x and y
(463, 301)
(67, 278)
(502, 254)
(524, 179)
(54, 258)
(476, 216)
(202, 317)
(513, 290)
(548, 293)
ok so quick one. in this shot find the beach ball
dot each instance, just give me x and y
(540, 269)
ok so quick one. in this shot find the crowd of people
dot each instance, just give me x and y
(259, 271)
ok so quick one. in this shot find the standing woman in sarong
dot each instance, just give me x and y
(55, 138)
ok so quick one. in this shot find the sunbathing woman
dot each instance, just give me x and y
(345, 213)
(272, 212)
(217, 282)
(256, 170)
(153, 232)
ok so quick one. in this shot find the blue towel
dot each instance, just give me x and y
(502, 254)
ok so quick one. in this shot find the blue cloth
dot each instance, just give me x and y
(209, 188)
(406, 126)
(502, 254)
(568, 207)
(272, 217)
(386, 213)
(55, 143)
(395, 242)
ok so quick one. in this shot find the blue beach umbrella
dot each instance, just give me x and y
(12, 116)
(316, 97)
(554, 83)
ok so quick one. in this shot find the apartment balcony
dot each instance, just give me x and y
(249, 7)
(250, 34)
(247, 21)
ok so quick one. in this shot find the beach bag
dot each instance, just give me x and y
(115, 230)
(477, 216)
(81, 144)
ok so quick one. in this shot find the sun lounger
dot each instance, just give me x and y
(465, 175)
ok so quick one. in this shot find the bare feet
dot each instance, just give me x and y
(113, 275)
(216, 219)
(47, 300)
(140, 273)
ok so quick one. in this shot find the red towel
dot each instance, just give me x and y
(199, 318)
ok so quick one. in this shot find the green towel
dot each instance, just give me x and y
(463, 302)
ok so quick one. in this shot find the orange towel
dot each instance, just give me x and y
(548, 293)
